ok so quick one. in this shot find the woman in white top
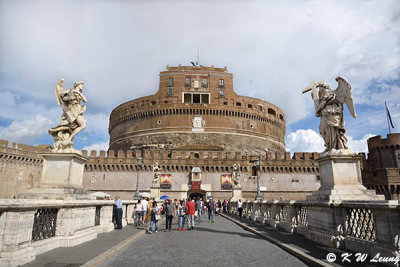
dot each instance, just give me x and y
(139, 213)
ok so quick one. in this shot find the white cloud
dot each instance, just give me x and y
(26, 131)
(97, 147)
(304, 141)
(359, 145)
(311, 141)
(273, 48)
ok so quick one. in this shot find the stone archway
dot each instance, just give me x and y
(196, 193)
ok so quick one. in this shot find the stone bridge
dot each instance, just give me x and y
(270, 233)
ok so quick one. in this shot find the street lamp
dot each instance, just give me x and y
(139, 163)
(257, 162)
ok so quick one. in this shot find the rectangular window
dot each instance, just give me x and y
(196, 98)
(205, 99)
(187, 81)
(187, 98)
(205, 82)
(221, 93)
(260, 107)
(170, 81)
(221, 83)
(170, 91)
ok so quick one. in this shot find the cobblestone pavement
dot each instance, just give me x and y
(222, 243)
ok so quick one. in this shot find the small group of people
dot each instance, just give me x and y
(190, 211)
(187, 211)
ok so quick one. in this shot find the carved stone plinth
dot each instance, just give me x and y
(155, 192)
(341, 180)
(236, 194)
(61, 178)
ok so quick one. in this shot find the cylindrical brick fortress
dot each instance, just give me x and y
(196, 109)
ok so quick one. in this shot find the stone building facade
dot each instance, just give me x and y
(196, 128)
(196, 109)
(382, 170)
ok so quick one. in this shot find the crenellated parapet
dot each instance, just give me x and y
(184, 161)
(384, 152)
(20, 153)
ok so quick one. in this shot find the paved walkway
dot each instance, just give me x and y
(78, 255)
(222, 243)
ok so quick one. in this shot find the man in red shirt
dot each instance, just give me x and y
(190, 207)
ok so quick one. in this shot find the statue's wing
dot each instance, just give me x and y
(59, 90)
(344, 95)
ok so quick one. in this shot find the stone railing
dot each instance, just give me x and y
(30, 227)
(360, 226)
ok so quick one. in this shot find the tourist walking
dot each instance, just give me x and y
(118, 210)
(199, 209)
(211, 210)
(190, 209)
(181, 215)
(240, 208)
(219, 206)
(169, 213)
(138, 213)
(154, 217)
(145, 204)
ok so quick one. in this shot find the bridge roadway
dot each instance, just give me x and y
(222, 243)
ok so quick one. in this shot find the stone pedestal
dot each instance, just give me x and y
(341, 180)
(61, 178)
(236, 194)
(155, 192)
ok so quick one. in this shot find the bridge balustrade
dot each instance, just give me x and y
(30, 227)
(361, 226)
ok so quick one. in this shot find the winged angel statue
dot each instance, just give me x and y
(72, 119)
(329, 106)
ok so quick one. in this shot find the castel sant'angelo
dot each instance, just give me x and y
(196, 128)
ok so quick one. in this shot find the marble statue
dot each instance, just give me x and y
(235, 175)
(72, 119)
(156, 175)
(329, 107)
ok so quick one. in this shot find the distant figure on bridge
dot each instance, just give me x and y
(181, 215)
(211, 210)
(118, 210)
(190, 209)
(138, 213)
(169, 213)
(199, 208)
(145, 209)
(240, 208)
(154, 217)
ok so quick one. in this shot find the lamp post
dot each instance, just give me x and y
(137, 194)
(258, 196)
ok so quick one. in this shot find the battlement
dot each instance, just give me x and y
(22, 150)
(132, 155)
(381, 143)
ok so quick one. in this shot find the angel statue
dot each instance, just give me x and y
(329, 106)
(156, 174)
(72, 119)
(235, 175)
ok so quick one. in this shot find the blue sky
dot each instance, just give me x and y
(273, 48)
